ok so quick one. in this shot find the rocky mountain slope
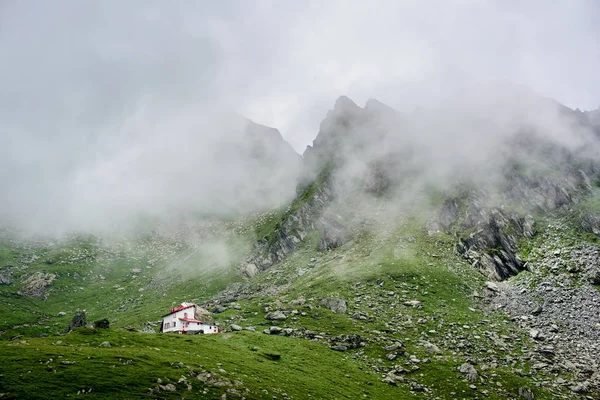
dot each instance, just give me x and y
(414, 262)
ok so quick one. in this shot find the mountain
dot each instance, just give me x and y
(444, 253)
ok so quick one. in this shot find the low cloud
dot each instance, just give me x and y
(115, 110)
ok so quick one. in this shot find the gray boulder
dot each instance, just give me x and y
(5, 276)
(276, 316)
(469, 371)
(336, 305)
(79, 321)
(219, 309)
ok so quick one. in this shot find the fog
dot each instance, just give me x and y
(111, 112)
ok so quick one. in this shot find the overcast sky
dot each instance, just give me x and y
(105, 103)
(82, 65)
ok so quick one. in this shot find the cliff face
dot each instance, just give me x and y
(507, 166)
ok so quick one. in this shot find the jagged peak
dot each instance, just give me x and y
(344, 103)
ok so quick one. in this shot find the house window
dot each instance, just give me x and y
(167, 325)
(174, 324)
(184, 315)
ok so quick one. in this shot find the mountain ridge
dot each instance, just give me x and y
(403, 268)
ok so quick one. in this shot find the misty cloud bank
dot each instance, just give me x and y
(115, 112)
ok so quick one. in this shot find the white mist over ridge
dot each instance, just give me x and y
(116, 111)
(195, 161)
(477, 137)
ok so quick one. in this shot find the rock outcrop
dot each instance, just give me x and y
(301, 219)
(35, 285)
(6, 275)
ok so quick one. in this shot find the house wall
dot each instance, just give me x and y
(176, 325)
(208, 329)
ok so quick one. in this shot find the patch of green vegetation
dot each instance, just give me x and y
(269, 229)
(65, 366)
(131, 284)
(378, 276)
(409, 285)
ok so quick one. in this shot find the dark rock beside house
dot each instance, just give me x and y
(78, 321)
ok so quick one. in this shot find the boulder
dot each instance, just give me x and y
(469, 371)
(413, 303)
(336, 305)
(274, 330)
(219, 309)
(5, 276)
(102, 324)
(276, 316)
(526, 393)
(300, 301)
(78, 321)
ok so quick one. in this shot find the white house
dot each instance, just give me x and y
(188, 318)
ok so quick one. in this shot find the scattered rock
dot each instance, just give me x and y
(336, 305)
(393, 347)
(5, 276)
(36, 284)
(102, 324)
(359, 315)
(594, 276)
(431, 348)
(413, 303)
(469, 371)
(276, 316)
(537, 310)
(298, 302)
(536, 334)
(578, 388)
(236, 328)
(275, 330)
(169, 387)
(78, 321)
(493, 286)
(526, 393)
(147, 329)
(219, 309)
(105, 344)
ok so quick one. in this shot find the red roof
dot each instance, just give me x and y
(190, 320)
(179, 308)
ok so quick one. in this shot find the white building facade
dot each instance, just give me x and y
(182, 319)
